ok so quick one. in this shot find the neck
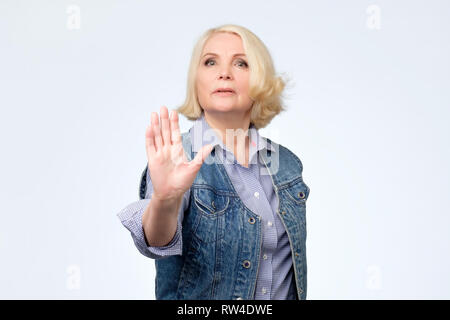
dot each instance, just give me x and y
(233, 131)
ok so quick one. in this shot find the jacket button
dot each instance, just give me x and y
(213, 205)
(251, 220)
(283, 212)
(296, 254)
(238, 298)
(300, 290)
(246, 264)
(301, 194)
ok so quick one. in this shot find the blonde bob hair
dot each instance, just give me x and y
(265, 87)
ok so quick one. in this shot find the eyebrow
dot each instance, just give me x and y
(215, 54)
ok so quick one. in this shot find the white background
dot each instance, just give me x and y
(368, 114)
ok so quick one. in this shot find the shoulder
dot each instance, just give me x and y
(286, 157)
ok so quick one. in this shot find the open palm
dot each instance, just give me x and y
(170, 171)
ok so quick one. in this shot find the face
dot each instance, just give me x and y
(223, 64)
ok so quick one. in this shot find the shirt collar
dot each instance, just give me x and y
(202, 134)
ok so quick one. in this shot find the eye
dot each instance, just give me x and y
(207, 62)
(242, 63)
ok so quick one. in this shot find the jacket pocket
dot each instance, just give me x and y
(298, 192)
(209, 202)
(210, 207)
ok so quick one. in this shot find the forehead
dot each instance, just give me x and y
(224, 43)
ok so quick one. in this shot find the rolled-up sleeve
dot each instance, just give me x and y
(131, 218)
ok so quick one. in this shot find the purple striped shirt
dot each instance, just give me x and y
(275, 278)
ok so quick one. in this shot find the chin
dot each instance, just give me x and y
(221, 107)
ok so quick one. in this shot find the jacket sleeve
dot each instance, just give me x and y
(131, 218)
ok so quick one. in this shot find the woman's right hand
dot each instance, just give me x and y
(170, 171)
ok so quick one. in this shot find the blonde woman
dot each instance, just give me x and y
(223, 209)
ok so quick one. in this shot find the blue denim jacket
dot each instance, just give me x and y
(222, 238)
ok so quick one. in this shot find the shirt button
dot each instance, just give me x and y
(265, 256)
(256, 194)
(269, 223)
(264, 290)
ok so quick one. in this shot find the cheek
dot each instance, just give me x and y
(243, 87)
(202, 91)
(202, 87)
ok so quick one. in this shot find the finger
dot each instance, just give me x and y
(201, 155)
(175, 128)
(165, 126)
(156, 131)
(149, 141)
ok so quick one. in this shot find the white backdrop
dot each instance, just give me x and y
(368, 114)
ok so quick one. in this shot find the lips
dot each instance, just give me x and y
(229, 90)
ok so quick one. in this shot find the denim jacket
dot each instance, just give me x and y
(222, 238)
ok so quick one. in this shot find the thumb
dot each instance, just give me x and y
(202, 154)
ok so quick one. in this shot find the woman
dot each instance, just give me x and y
(224, 218)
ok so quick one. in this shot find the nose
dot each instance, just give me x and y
(224, 74)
